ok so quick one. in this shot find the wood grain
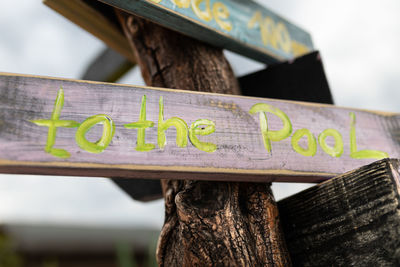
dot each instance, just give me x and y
(254, 31)
(350, 220)
(240, 153)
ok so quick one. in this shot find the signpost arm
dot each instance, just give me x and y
(352, 219)
(240, 220)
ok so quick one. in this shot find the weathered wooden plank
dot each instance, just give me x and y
(301, 79)
(244, 27)
(96, 18)
(234, 149)
(108, 66)
(350, 220)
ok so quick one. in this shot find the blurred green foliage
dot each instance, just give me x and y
(126, 258)
(8, 256)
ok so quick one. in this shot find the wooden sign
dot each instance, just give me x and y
(244, 27)
(67, 127)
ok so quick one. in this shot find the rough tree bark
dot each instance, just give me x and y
(206, 223)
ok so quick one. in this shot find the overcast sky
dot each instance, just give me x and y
(359, 42)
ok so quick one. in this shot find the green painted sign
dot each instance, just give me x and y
(244, 27)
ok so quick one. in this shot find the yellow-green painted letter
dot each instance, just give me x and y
(335, 151)
(267, 134)
(180, 125)
(312, 143)
(105, 139)
(362, 154)
(141, 125)
(197, 128)
(53, 123)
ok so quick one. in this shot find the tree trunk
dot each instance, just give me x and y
(206, 223)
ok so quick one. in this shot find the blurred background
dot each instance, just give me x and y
(359, 42)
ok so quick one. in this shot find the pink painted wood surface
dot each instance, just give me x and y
(240, 153)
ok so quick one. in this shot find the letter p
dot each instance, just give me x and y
(269, 135)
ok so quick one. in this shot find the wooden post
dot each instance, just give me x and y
(206, 223)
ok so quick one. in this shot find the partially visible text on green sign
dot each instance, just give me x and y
(244, 27)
